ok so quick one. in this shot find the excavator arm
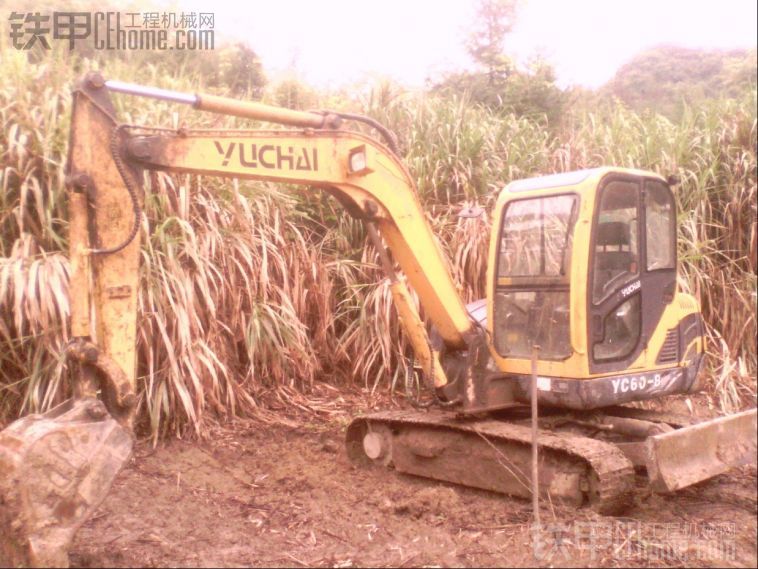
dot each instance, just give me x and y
(56, 468)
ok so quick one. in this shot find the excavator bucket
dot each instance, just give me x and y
(55, 469)
(698, 452)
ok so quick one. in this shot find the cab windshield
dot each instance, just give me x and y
(536, 237)
(532, 289)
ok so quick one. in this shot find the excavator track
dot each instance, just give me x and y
(494, 455)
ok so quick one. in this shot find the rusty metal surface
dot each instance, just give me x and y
(635, 427)
(606, 478)
(78, 236)
(55, 469)
(698, 452)
(632, 428)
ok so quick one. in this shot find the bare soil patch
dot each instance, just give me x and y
(276, 495)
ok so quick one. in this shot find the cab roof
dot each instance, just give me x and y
(572, 178)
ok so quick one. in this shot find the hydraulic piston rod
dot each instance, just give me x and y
(227, 106)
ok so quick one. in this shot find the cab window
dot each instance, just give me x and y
(616, 248)
(536, 237)
(660, 227)
(527, 317)
(531, 304)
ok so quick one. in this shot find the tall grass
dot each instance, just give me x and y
(250, 289)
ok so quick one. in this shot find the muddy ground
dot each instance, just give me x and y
(287, 495)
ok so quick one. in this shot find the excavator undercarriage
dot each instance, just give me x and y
(582, 264)
(585, 459)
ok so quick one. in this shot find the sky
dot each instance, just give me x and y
(337, 42)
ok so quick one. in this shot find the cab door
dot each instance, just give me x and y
(632, 274)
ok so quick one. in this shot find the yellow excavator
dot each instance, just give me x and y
(582, 309)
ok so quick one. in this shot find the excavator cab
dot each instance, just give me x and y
(583, 270)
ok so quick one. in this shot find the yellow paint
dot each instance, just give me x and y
(320, 159)
(416, 332)
(577, 365)
(115, 316)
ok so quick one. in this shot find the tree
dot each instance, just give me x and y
(244, 72)
(235, 67)
(495, 19)
(528, 90)
(532, 92)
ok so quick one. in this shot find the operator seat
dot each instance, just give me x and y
(612, 262)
